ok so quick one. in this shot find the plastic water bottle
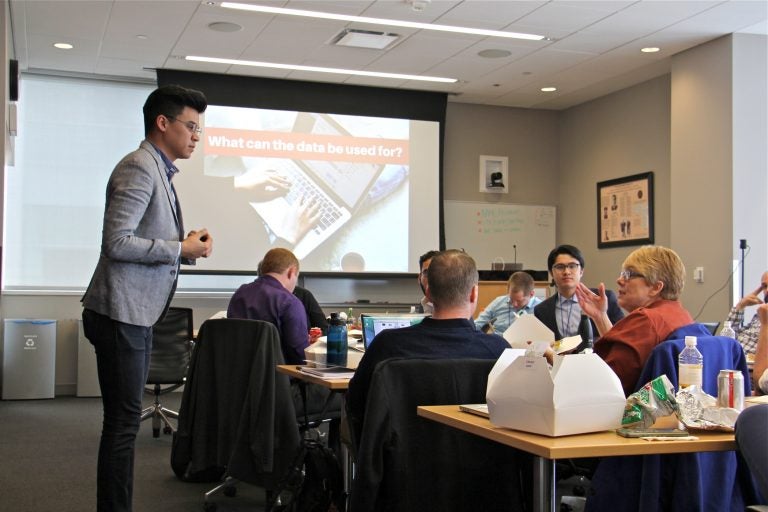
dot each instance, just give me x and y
(690, 364)
(587, 338)
(727, 330)
(336, 341)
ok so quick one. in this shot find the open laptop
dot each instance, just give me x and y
(373, 324)
(339, 187)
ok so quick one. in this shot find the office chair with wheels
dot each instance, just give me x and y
(405, 462)
(689, 481)
(237, 421)
(171, 350)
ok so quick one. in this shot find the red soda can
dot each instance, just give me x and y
(314, 333)
(730, 389)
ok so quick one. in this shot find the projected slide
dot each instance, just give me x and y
(344, 193)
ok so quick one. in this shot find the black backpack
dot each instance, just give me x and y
(314, 480)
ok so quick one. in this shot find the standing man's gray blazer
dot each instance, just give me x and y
(140, 242)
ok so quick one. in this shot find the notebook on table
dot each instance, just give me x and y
(476, 409)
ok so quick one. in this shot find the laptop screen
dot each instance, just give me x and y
(373, 324)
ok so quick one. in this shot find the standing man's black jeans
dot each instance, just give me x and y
(122, 356)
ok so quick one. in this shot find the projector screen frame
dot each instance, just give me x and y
(302, 96)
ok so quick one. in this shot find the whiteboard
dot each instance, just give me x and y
(488, 232)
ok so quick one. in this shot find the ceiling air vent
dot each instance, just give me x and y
(370, 39)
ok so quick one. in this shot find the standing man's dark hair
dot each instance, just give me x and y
(142, 245)
(169, 101)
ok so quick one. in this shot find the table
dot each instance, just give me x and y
(336, 386)
(547, 449)
(293, 371)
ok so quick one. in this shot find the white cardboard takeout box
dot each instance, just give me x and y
(528, 328)
(579, 394)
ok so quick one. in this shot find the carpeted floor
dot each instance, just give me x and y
(48, 454)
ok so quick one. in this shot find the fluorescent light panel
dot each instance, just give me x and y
(316, 69)
(380, 21)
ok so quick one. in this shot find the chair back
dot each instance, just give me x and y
(719, 352)
(236, 411)
(690, 481)
(711, 327)
(405, 462)
(171, 347)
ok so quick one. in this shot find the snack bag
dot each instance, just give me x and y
(654, 400)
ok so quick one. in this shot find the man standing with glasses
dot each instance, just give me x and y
(561, 312)
(142, 246)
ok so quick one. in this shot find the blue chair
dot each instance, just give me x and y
(713, 481)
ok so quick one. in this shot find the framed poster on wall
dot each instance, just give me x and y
(625, 211)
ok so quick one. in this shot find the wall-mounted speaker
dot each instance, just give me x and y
(13, 80)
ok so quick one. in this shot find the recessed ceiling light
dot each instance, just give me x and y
(63, 46)
(650, 49)
(141, 36)
(548, 89)
(494, 53)
(317, 69)
(370, 39)
(224, 26)
(380, 21)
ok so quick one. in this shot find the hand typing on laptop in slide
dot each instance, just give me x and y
(262, 184)
(267, 184)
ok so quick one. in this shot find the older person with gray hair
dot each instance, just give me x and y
(650, 283)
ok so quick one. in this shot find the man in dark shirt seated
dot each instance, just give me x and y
(450, 333)
(315, 315)
(270, 298)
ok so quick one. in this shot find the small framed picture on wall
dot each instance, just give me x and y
(494, 174)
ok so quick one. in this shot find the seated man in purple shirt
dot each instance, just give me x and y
(270, 298)
(450, 333)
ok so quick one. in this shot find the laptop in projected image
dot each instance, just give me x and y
(338, 187)
(373, 324)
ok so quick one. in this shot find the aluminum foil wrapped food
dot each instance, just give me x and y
(654, 400)
(699, 410)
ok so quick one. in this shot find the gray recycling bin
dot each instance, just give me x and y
(29, 359)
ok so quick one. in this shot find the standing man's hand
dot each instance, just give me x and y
(197, 244)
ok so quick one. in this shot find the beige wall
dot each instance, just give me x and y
(750, 155)
(701, 160)
(618, 135)
(527, 137)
